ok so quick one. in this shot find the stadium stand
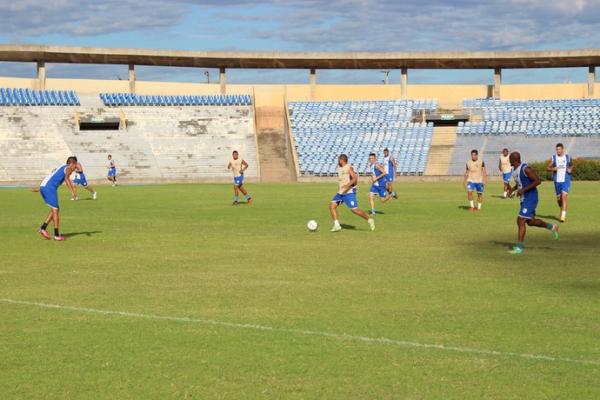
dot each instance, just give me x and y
(156, 144)
(577, 117)
(129, 99)
(532, 127)
(28, 97)
(323, 130)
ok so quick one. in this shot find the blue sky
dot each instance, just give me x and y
(301, 25)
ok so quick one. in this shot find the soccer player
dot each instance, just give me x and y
(475, 179)
(506, 170)
(347, 180)
(238, 166)
(112, 171)
(561, 166)
(391, 166)
(81, 180)
(527, 181)
(379, 179)
(49, 191)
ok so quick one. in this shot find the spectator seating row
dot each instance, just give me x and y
(28, 97)
(576, 117)
(130, 99)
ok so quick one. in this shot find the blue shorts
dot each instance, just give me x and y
(50, 197)
(390, 177)
(560, 187)
(506, 177)
(379, 190)
(349, 199)
(528, 206)
(472, 186)
(112, 172)
(80, 180)
(238, 180)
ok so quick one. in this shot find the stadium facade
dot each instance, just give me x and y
(170, 131)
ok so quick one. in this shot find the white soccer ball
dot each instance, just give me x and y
(312, 225)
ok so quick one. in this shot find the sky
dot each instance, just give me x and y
(303, 25)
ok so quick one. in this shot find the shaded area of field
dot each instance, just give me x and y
(431, 273)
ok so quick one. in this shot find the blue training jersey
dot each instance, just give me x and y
(56, 178)
(523, 180)
(377, 173)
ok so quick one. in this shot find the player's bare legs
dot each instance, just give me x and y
(52, 216)
(470, 198)
(236, 194)
(479, 200)
(333, 211)
(360, 213)
(562, 203)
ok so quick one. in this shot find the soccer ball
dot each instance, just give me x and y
(312, 225)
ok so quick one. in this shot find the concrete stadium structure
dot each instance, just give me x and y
(164, 143)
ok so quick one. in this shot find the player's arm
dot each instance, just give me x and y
(484, 173)
(466, 176)
(550, 166)
(69, 183)
(395, 165)
(570, 166)
(229, 165)
(500, 165)
(535, 180)
(244, 166)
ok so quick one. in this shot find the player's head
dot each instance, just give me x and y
(560, 149)
(72, 161)
(515, 159)
(342, 160)
(372, 158)
(386, 152)
(505, 152)
(474, 155)
(235, 155)
(110, 156)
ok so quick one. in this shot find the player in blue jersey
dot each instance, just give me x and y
(346, 194)
(561, 166)
(112, 171)
(379, 179)
(391, 167)
(49, 191)
(527, 181)
(81, 180)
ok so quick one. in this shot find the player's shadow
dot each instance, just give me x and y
(497, 196)
(552, 217)
(346, 226)
(379, 212)
(87, 233)
(467, 208)
(509, 245)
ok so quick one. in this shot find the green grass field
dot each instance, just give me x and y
(243, 302)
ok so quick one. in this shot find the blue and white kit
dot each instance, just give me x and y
(50, 184)
(529, 200)
(562, 177)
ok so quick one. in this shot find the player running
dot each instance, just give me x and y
(506, 170)
(112, 171)
(49, 191)
(561, 166)
(238, 166)
(391, 166)
(527, 181)
(475, 179)
(80, 180)
(379, 179)
(347, 180)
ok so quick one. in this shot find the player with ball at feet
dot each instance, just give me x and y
(347, 180)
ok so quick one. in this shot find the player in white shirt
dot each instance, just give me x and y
(391, 167)
(561, 166)
(505, 169)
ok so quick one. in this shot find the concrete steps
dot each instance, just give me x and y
(276, 163)
(440, 152)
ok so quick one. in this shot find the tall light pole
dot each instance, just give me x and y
(386, 76)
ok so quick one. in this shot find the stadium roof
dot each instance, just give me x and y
(301, 60)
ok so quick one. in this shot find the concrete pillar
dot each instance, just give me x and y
(313, 83)
(41, 75)
(131, 78)
(222, 78)
(404, 83)
(497, 82)
(591, 80)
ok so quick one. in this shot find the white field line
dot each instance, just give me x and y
(338, 336)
